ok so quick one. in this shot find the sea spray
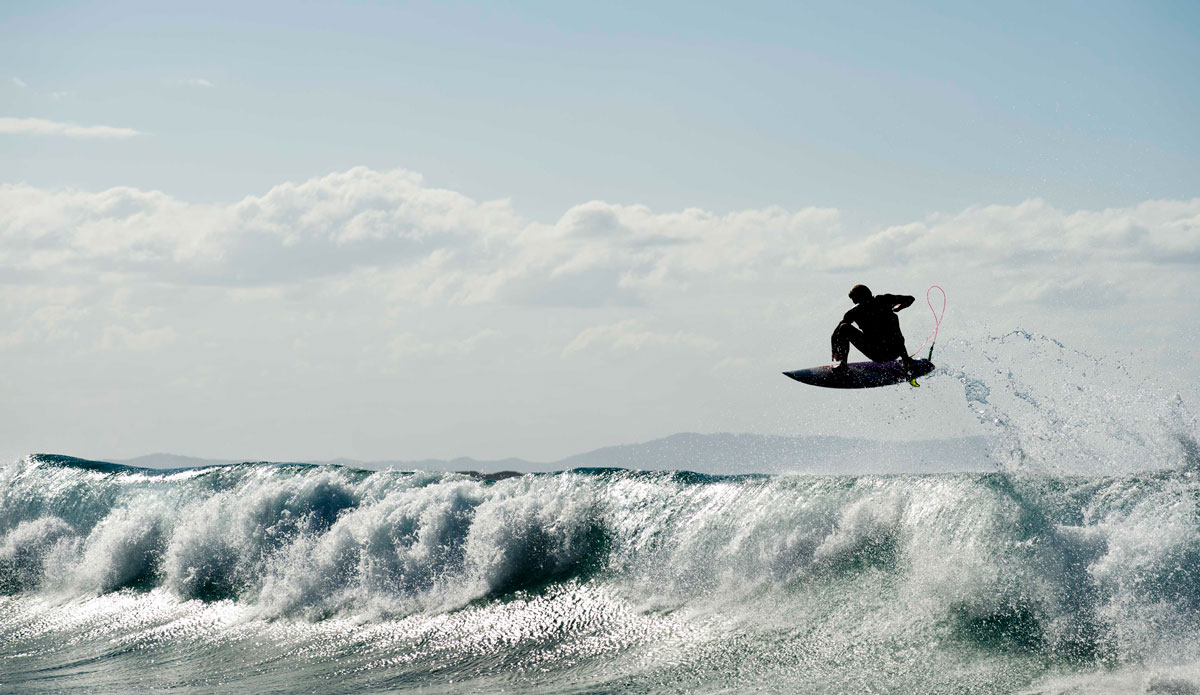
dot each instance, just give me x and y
(1052, 409)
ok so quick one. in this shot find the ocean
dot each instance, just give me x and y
(1072, 567)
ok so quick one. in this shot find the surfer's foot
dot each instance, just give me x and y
(840, 367)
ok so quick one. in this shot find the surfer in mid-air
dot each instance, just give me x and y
(877, 334)
(873, 327)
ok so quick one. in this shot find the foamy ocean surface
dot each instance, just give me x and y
(1073, 568)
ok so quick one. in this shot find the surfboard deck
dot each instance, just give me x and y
(861, 375)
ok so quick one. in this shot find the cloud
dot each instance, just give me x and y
(431, 244)
(1080, 292)
(421, 245)
(408, 345)
(41, 126)
(630, 336)
(194, 82)
(17, 82)
(121, 338)
(1035, 233)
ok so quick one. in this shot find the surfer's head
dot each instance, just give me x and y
(860, 294)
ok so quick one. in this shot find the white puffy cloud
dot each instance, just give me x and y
(406, 345)
(1034, 232)
(195, 82)
(631, 336)
(1082, 292)
(371, 306)
(120, 337)
(430, 244)
(390, 241)
(42, 126)
(390, 236)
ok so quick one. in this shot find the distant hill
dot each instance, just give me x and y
(753, 453)
(721, 453)
(171, 461)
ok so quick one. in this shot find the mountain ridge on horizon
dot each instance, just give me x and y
(717, 453)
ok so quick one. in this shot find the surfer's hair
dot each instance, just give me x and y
(860, 291)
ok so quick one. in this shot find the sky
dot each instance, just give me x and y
(405, 230)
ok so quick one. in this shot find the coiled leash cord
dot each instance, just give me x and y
(937, 323)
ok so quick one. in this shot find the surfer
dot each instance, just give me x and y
(878, 333)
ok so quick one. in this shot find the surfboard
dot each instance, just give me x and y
(861, 375)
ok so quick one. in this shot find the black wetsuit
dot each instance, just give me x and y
(878, 333)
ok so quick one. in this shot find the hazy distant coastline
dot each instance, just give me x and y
(721, 453)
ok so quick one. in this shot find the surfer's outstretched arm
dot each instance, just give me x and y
(897, 301)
